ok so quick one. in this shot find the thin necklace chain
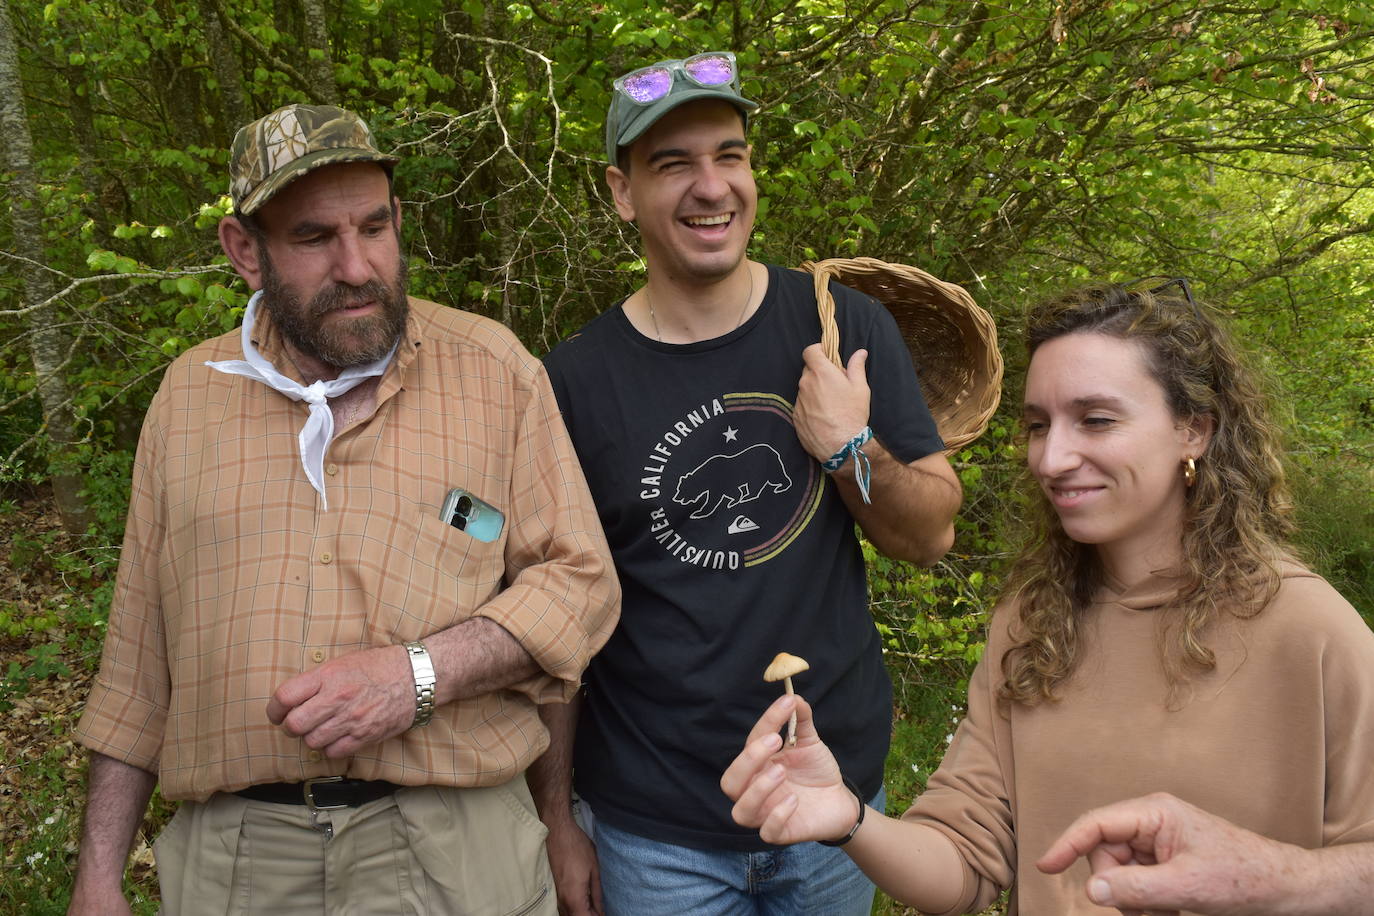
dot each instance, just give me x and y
(738, 321)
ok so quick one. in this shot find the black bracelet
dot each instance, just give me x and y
(863, 806)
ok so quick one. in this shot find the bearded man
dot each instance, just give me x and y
(359, 555)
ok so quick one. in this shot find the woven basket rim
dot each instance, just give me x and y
(963, 416)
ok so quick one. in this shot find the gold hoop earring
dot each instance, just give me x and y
(1189, 472)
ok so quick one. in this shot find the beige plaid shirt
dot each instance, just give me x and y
(232, 579)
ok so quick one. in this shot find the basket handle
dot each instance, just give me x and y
(825, 306)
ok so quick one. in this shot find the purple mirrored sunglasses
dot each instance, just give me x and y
(649, 84)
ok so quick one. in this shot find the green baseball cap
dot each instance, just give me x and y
(641, 97)
(275, 150)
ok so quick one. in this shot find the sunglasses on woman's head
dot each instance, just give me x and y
(1181, 282)
(649, 84)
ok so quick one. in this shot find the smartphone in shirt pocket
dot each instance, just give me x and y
(472, 514)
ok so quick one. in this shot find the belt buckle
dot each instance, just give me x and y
(309, 792)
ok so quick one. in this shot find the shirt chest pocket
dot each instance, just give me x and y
(439, 579)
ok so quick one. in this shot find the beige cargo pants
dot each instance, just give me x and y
(428, 851)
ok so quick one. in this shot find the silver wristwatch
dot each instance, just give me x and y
(423, 668)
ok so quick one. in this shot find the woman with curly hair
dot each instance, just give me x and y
(1156, 636)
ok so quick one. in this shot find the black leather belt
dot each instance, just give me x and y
(321, 794)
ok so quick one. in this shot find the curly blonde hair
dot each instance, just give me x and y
(1236, 519)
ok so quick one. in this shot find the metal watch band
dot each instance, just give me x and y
(422, 667)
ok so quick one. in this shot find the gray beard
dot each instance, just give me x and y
(341, 345)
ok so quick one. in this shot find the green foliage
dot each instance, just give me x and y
(66, 623)
(45, 890)
(933, 621)
(1010, 147)
(46, 662)
(41, 840)
(107, 494)
(1338, 530)
(924, 726)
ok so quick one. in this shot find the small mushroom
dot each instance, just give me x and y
(783, 666)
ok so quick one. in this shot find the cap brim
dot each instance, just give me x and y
(645, 116)
(307, 163)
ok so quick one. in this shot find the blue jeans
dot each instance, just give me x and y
(643, 877)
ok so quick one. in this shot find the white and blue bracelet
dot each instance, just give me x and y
(863, 468)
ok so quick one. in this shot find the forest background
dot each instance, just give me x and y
(1013, 148)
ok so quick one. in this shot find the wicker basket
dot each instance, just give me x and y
(953, 341)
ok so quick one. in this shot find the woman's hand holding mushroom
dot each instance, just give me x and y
(791, 794)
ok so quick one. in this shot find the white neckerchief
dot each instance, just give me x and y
(318, 431)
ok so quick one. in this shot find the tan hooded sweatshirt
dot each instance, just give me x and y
(1278, 738)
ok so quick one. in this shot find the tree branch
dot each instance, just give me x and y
(1286, 263)
(251, 40)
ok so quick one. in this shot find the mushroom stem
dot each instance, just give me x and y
(792, 720)
(781, 668)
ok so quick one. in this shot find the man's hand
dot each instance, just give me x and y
(909, 514)
(832, 403)
(349, 702)
(572, 858)
(1163, 855)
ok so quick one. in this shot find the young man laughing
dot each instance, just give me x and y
(729, 461)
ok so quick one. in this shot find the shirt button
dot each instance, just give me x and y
(326, 557)
(314, 756)
(332, 469)
(317, 655)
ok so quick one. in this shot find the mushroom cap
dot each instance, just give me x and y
(785, 665)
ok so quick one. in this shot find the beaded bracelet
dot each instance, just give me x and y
(852, 830)
(863, 468)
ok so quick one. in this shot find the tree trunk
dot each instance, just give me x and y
(319, 69)
(48, 342)
(228, 74)
(504, 177)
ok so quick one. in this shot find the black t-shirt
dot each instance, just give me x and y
(732, 545)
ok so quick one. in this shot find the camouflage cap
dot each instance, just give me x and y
(275, 150)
